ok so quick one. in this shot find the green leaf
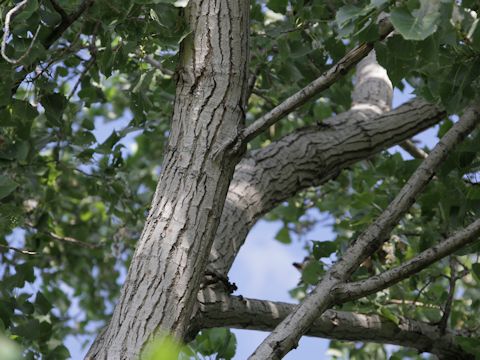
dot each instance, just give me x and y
(27, 11)
(33, 330)
(42, 305)
(284, 236)
(476, 269)
(59, 353)
(165, 348)
(388, 314)
(469, 344)
(312, 272)
(323, 248)
(417, 25)
(54, 105)
(346, 14)
(6, 186)
(278, 6)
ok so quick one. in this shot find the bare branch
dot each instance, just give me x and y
(413, 150)
(158, 65)
(66, 22)
(73, 241)
(359, 289)
(451, 294)
(54, 36)
(218, 309)
(287, 334)
(6, 34)
(59, 10)
(20, 251)
(65, 239)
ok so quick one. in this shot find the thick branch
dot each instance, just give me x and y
(359, 289)
(220, 310)
(287, 334)
(309, 157)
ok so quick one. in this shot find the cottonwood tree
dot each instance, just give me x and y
(277, 108)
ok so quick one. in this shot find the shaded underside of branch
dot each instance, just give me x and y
(237, 312)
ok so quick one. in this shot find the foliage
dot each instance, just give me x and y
(74, 195)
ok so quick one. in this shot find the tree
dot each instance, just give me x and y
(266, 122)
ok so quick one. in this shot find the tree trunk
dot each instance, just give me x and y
(169, 262)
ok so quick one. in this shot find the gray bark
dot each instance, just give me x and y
(359, 289)
(286, 335)
(309, 157)
(164, 278)
(170, 258)
(219, 309)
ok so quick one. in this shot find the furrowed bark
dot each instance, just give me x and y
(219, 309)
(271, 175)
(309, 157)
(286, 335)
(170, 258)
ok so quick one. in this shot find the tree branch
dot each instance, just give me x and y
(59, 10)
(309, 157)
(359, 289)
(157, 65)
(54, 36)
(414, 151)
(287, 334)
(20, 251)
(218, 309)
(302, 96)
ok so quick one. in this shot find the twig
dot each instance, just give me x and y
(359, 289)
(59, 10)
(263, 97)
(20, 251)
(158, 65)
(320, 84)
(413, 150)
(89, 64)
(6, 34)
(442, 324)
(64, 25)
(302, 96)
(412, 303)
(71, 240)
(54, 36)
(66, 239)
(93, 52)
